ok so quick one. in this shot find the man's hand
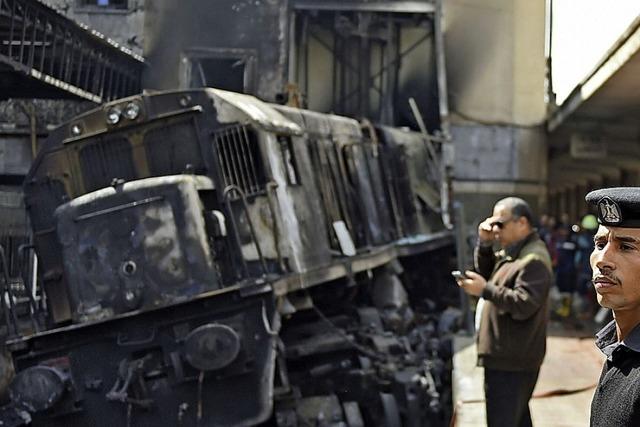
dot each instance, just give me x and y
(485, 230)
(474, 285)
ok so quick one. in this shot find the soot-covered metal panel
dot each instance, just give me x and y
(240, 36)
(159, 240)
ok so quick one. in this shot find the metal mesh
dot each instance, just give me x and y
(105, 160)
(239, 159)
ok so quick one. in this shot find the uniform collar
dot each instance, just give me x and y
(607, 340)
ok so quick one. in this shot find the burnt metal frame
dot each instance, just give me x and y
(249, 56)
(37, 41)
(403, 6)
(394, 15)
(385, 68)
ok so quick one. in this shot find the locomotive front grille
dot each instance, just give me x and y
(104, 160)
(174, 148)
(239, 159)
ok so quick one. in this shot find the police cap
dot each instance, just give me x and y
(617, 207)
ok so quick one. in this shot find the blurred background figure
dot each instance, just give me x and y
(543, 229)
(550, 238)
(585, 297)
(565, 267)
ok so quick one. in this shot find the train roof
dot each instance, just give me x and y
(323, 123)
(230, 108)
(238, 107)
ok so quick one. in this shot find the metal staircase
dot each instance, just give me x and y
(46, 55)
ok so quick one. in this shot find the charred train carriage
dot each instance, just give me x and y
(210, 259)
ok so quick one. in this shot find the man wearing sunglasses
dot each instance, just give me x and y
(615, 265)
(514, 284)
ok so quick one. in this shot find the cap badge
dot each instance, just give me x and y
(609, 211)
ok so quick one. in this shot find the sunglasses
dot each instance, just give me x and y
(500, 224)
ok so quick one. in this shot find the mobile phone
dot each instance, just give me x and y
(458, 275)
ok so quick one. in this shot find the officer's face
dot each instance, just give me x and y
(615, 262)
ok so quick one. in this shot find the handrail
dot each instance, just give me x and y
(10, 316)
(45, 45)
(225, 195)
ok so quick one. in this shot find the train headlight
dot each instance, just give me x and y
(38, 387)
(131, 111)
(113, 115)
(211, 346)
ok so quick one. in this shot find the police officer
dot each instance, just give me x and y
(615, 262)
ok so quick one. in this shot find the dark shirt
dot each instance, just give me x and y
(616, 401)
(566, 250)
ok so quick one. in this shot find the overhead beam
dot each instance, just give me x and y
(360, 6)
(608, 162)
(566, 177)
(572, 177)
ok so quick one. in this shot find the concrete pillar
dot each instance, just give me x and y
(496, 74)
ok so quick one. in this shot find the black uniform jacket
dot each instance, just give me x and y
(616, 402)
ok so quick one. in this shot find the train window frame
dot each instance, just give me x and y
(289, 160)
(174, 122)
(99, 148)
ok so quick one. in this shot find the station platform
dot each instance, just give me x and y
(566, 384)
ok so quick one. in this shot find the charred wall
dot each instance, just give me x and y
(353, 59)
(195, 43)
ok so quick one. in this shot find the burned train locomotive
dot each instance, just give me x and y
(210, 259)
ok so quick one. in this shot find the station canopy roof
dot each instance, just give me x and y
(594, 133)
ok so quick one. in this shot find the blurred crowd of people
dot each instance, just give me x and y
(570, 244)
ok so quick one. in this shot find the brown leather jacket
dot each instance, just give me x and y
(513, 326)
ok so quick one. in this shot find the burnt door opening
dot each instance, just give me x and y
(221, 73)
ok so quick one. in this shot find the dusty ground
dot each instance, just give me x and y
(566, 384)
